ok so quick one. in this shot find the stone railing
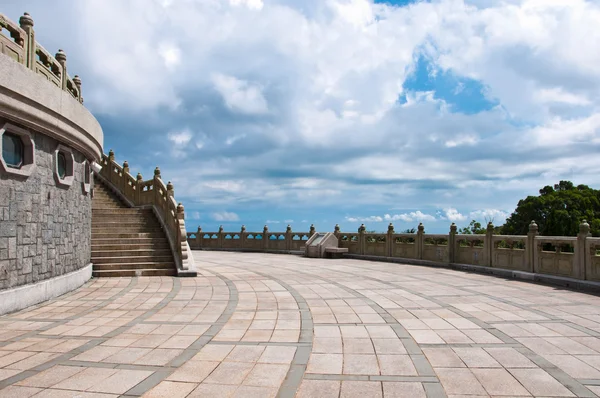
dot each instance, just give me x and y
(152, 193)
(571, 257)
(18, 42)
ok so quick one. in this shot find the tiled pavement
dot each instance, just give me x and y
(259, 325)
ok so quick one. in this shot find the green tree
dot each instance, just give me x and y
(474, 228)
(557, 210)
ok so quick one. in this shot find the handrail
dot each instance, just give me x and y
(20, 45)
(153, 193)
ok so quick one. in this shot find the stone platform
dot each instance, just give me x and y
(261, 325)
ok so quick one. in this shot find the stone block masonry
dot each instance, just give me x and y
(45, 229)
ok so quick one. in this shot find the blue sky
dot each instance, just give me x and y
(339, 111)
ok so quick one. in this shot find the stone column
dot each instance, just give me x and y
(531, 248)
(452, 244)
(390, 241)
(581, 257)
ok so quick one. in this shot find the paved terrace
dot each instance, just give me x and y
(259, 325)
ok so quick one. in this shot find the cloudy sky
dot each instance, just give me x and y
(339, 111)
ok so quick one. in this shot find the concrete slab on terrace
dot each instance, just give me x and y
(260, 325)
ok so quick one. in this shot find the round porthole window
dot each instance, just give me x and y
(13, 150)
(61, 165)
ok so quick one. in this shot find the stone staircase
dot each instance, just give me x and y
(127, 241)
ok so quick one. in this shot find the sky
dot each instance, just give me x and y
(341, 112)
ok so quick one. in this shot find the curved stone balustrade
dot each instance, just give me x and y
(154, 193)
(21, 46)
(575, 258)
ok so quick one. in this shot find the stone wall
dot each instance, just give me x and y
(45, 229)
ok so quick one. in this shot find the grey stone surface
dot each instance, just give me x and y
(46, 229)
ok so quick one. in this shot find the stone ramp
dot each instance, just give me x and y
(127, 241)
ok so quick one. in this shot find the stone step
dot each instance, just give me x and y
(132, 259)
(126, 230)
(128, 245)
(123, 222)
(129, 266)
(122, 236)
(133, 272)
(122, 212)
(131, 252)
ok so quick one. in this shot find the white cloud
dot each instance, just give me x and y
(171, 55)
(180, 138)
(195, 215)
(409, 217)
(453, 215)
(225, 216)
(239, 95)
(497, 217)
(288, 221)
(252, 4)
(273, 222)
(365, 219)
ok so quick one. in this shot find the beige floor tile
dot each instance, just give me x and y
(403, 390)
(357, 346)
(319, 389)
(278, 355)
(499, 382)
(459, 381)
(266, 375)
(213, 391)
(51, 376)
(396, 365)
(170, 389)
(388, 346)
(325, 363)
(121, 381)
(6, 373)
(510, 358)
(475, 357)
(230, 373)
(540, 383)
(255, 392)
(245, 353)
(426, 337)
(574, 367)
(443, 358)
(361, 389)
(194, 371)
(19, 392)
(86, 379)
(158, 357)
(213, 352)
(97, 354)
(361, 364)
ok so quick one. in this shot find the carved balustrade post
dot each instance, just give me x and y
(361, 239)
(26, 23)
(109, 171)
(312, 231)
(581, 254)
(61, 58)
(170, 189)
(337, 234)
(139, 188)
(77, 82)
(221, 237)
(488, 245)
(452, 244)
(265, 237)
(156, 198)
(389, 240)
(288, 238)
(199, 238)
(243, 237)
(420, 240)
(531, 248)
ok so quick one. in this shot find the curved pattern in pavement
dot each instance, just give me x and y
(261, 325)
